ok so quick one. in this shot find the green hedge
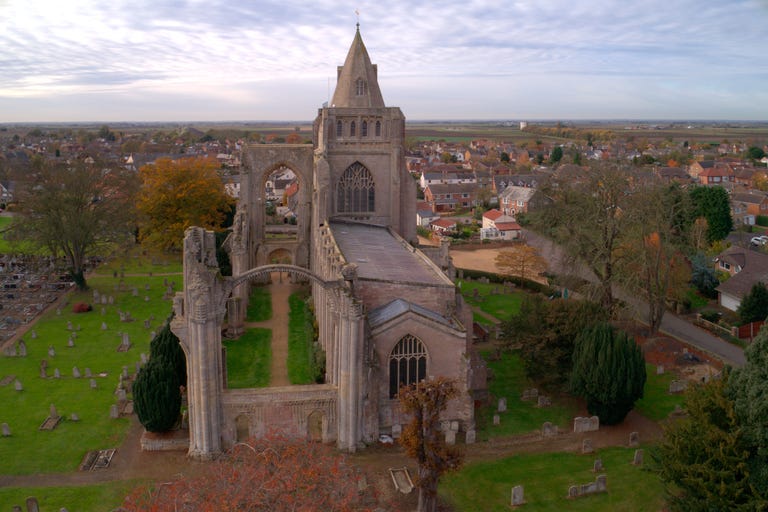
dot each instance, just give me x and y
(762, 220)
(500, 278)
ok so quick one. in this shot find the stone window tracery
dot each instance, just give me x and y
(407, 363)
(356, 190)
(339, 128)
(352, 127)
(364, 129)
(360, 87)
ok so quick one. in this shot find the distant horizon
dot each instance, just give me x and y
(172, 61)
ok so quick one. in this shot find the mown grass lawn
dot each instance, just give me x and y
(657, 403)
(259, 305)
(100, 497)
(509, 381)
(249, 358)
(546, 477)
(500, 305)
(30, 450)
(302, 368)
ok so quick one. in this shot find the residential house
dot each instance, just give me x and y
(5, 195)
(744, 176)
(424, 214)
(444, 198)
(514, 200)
(491, 217)
(721, 175)
(746, 267)
(443, 226)
(673, 175)
(756, 203)
(498, 226)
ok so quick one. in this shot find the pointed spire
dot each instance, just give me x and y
(357, 84)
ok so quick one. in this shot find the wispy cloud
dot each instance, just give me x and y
(533, 58)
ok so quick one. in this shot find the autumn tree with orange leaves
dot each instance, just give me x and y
(422, 438)
(521, 260)
(271, 474)
(177, 194)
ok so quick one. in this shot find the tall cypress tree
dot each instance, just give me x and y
(608, 372)
(156, 395)
(166, 345)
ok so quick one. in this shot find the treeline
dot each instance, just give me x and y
(570, 132)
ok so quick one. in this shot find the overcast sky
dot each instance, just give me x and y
(176, 60)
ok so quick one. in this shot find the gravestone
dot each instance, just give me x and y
(103, 326)
(471, 436)
(74, 417)
(71, 342)
(518, 495)
(56, 373)
(113, 412)
(548, 429)
(138, 366)
(135, 292)
(147, 324)
(397, 429)
(573, 492)
(660, 369)
(10, 351)
(637, 460)
(93, 384)
(121, 395)
(597, 466)
(602, 483)
(16, 508)
(32, 505)
(22, 348)
(634, 439)
(678, 386)
(144, 358)
(450, 437)
(51, 351)
(17, 385)
(34, 334)
(69, 325)
(52, 412)
(496, 419)
(124, 374)
(103, 311)
(530, 394)
(6, 430)
(88, 374)
(44, 369)
(111, 300)
(146, 287)
(544, 401)
(502, 407)
(586, 446)
(76, 372)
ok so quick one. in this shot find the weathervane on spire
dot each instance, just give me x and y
(357, 13)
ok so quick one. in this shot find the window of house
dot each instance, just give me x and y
(407, 364)
(356, 191)
(352, 129)
(726, 266)
(360, 87)
(378, 128)
(465, 196)
(364, 129)
(339, 128)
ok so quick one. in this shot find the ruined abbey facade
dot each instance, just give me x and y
(388, 313)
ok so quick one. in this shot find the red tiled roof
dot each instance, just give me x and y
(508, 226)
(492, 214)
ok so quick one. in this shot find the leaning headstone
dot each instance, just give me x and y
(496, 419)
(17, 385)
(76, 372)
(502, 404)
(113, 412)
(634, 439)
(22, 348)
(6, 430)
(450, 437)
(93, 384)
(471, 436)
(597, 466)
(32, 505)
(52, 412)
(518, 495)
(637, 460)
(586, 446)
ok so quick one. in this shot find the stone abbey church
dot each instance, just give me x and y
(388, 313)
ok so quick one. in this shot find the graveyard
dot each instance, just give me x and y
(65, 390)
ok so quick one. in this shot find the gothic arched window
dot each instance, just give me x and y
(407, 364)
(360, 87)
(378, 128)
(339, 128)
(352, 129)
(364, 129)
(356, 191)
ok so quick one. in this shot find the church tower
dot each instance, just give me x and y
(359, 152)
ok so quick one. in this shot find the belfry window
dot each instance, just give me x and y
(364, 129)
(339, 128)
(355, 191)
(352, 129)
(360, 87)
(378, 128)
(407, 364)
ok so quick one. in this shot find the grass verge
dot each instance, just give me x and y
(91, 497)
(657, 403)
(302, 367)
(259, 305)
(500, 305)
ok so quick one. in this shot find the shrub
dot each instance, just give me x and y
(608, 372)
(81, 307)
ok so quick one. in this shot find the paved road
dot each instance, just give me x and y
(671, 325)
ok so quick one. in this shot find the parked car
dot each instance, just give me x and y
(759, 240)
